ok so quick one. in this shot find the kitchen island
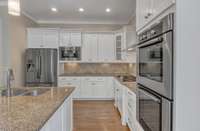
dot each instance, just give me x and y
(49, 111)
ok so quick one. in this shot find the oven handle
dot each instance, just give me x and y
(151, 96)
(153, 41)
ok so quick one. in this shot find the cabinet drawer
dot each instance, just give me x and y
(94, 79)
(69, 79)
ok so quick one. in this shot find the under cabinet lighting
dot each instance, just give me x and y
(14, 7)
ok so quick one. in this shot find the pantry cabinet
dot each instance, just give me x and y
(148, 10)
(42, 38)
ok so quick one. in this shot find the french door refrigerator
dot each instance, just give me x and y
(41, 67)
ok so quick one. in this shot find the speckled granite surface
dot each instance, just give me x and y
(92, 74)
(132, 86)
(30, 113)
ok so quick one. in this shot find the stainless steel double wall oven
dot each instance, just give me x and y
(155, 76)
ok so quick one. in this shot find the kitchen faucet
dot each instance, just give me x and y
(10, 77)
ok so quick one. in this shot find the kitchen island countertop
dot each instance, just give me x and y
(30, 113)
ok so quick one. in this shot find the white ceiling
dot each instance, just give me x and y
(40, 10)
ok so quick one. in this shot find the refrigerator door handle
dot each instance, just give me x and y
(40, 71)
(38, 66)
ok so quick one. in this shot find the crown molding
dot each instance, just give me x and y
(83, 22)
(29, 16)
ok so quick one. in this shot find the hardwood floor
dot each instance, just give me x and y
(96, 116)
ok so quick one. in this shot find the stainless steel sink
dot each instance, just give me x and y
(22, 92)
(12, 92)
(35, 92)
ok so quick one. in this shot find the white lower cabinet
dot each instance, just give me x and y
(62, 119)
(89, 87)
(125, 102)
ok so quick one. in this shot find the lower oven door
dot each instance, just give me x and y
(154, 111)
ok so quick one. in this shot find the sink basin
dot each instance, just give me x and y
(36, 92)
(12, 92)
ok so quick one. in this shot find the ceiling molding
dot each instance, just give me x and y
(3, 3)
(132, 18)
(29, 16)
(83, 22)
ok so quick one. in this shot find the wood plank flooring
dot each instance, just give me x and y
(96, 116)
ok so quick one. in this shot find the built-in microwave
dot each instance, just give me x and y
(70, 53)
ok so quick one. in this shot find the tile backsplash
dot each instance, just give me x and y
(99, 68)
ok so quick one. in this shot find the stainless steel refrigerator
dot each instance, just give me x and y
(41, 67)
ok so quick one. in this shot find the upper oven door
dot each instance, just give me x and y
(154, 68)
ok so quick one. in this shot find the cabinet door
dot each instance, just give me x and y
(65, 39)
(76, 39)
(50, 39)
(67, 120)
(35, 38)
(106, 47)
(90, 46)
(99, 88)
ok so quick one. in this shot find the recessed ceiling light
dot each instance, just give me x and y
(81, 10)
(54, 9)
(108, 10)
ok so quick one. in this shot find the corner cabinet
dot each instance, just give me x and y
(42, 38)
(148, 10)
(62, 119)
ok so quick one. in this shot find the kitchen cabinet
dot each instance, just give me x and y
(71, 81)
(62, 119)
(148, 10)
(89, 87)
(90, 48)
(106, 47)
(98, 47)
(42, 38)
(70, 39)
(120, 100)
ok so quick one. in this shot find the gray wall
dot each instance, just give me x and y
(14, 43)
(187, 66)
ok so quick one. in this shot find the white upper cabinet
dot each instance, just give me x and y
(148, 10)
(35, 38)
(42, 38)
(106, 47)
(69, 39)
(50, 39)
(90, 47)
(65, 39)
(76, 38)
(98, 47)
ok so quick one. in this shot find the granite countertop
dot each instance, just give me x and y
(30, 113)
(132, 86)
(92, 74)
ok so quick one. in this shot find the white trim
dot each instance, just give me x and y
(3, 3)
(83, 22)
(29, 16)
